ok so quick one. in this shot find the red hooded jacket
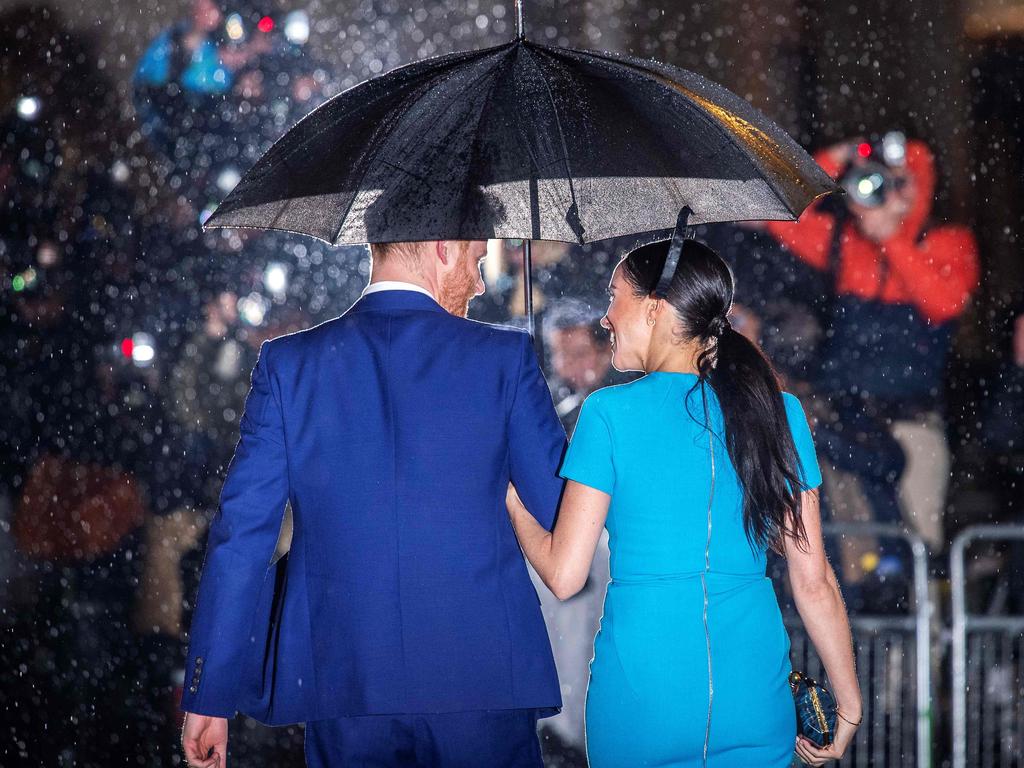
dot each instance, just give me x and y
(935, 273)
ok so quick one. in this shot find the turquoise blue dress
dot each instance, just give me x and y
(691, 659)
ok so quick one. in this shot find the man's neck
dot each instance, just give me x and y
(401, 276)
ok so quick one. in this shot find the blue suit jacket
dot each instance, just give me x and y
(393, 431)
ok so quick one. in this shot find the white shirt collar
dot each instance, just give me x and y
(395, 285)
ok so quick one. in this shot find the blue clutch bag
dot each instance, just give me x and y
(815, 709)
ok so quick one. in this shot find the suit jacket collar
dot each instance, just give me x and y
(392, 301)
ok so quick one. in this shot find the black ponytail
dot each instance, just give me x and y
(757, 433)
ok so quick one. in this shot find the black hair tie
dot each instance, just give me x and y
(719, 325)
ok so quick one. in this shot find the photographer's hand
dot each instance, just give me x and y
(884, 222)
(842, 153)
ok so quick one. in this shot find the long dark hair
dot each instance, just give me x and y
(757, 432)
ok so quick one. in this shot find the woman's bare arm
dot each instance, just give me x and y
(563, 556)
(823, 613)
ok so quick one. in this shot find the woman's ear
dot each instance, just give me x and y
(653, 308)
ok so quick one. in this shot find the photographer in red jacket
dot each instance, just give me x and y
(899, 283)
(888, 251)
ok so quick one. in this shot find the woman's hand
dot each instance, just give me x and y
(820, 605)
(563, 556)
(514, 504)
(814, 755)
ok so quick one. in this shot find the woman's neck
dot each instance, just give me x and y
(673, 358)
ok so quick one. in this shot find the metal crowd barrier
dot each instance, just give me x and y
(893, 664)
(988, 669)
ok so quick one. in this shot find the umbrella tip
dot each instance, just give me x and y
(520, 29)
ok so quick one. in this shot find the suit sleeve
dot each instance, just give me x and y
(536, 440)
(240, 545)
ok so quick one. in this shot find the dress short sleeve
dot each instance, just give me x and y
(810, 472)
(589, 457)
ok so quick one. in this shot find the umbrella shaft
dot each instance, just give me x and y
(528, 284)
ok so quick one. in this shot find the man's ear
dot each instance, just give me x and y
(443, 252)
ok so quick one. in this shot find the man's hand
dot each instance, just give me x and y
(205, 741)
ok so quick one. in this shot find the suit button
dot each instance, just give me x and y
(193, 689)
(199, 660)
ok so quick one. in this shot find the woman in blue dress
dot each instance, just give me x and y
(696, 469)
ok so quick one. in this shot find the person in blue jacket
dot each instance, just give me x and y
(182, 85)
(401, 626)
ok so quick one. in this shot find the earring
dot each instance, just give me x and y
(651, 321)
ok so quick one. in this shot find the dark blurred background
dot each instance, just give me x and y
(129, 334)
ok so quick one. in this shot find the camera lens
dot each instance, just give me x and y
(868, 184)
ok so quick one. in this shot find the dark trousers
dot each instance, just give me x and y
(504, 738)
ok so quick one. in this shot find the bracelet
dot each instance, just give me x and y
(840, 714)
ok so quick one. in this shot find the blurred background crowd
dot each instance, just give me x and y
(129, 334)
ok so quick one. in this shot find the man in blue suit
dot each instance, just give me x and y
(402, 626)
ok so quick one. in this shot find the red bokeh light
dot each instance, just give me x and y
(265, 24)
(864, 149)
(127, 347)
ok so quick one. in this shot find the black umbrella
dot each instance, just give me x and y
(524, 140)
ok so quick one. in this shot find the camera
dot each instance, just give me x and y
(869, 181)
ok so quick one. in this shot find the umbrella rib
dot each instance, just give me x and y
(766, 177)
(561, 135)
(364, 161)
(476, 135)
(400, 169)
(450, 61)
(396, 117)
(384, 130)
(692, 97)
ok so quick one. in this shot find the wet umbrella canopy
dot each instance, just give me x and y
(524, 140)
